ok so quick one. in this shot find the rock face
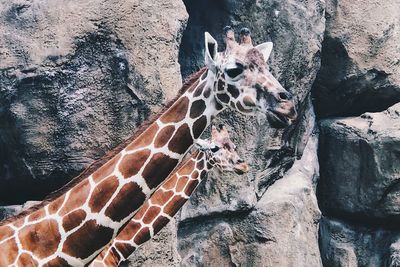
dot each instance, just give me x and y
(161, 251)
(344, 244)
(360, 166)
(75, 80)
(281, 230)
(360, 61)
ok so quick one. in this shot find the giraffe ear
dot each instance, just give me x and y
(265, 49)
(210, 55)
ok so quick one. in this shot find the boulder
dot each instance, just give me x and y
(360, 167)
(346, 244)
(281, 229)
(76, 79)
(360, 70)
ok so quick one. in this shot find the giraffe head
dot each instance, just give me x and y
(243, 80)
(221, 151)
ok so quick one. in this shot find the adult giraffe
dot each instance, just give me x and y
(171, 195)
(73, 227)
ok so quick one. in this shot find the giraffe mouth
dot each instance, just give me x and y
(277, 119)
(241, 169)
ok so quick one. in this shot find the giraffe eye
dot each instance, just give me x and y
(234, 71)
(214, 149)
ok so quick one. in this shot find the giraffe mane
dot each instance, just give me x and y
(189, 83)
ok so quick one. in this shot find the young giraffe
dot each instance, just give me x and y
(171, 195)
(71, 229)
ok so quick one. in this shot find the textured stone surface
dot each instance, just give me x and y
(161, 251)
(281, 229)
(75, 80)
(349, 245)
(360, 166)
(360, 61)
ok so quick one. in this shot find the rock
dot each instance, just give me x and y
(360, 69)
(360, 167)
(351, 245)
(296, 28)
(281, 230)
(160, 251)
(8, 211)
(75, 80)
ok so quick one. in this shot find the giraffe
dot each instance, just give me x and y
(72, 227)
(167, 200)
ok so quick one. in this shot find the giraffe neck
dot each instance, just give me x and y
(157, 211)
(73, 228)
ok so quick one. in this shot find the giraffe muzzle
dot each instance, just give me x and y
(241, 168)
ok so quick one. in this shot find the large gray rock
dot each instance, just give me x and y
(76, 78)
(360, 166)
(360, 69)
(281, 230)
(351, 245)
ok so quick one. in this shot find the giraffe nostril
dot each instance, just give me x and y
(240, 161)
(285, 96)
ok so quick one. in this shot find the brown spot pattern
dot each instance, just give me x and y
(164, 136)
(224, 98)
(129, 231)
(174, 205)
(77, 197)
(199, 89)
(102, 193)
(170, 182)
(151, 213)
(5, 232)
(233, 91)
(177, 112)
(26, 260)
(197, 108)
(142, 211)
(73, 219)
(55, 205)
(221, 85)
(41, 238)
(145, 138)
(125, 249)
(87, 239)
(187, 168)
(183, 181)
(142, 236)
(160, 223)
(9, 252)
(200, 164)
(158, 169)
(129, 199)
(36, 215)
(182, 140)
(195, 175)
(207, 93)
(132, 163)
(160, 197)
(199, 126)
(56, 262)
(190, 188)
(107, 169)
